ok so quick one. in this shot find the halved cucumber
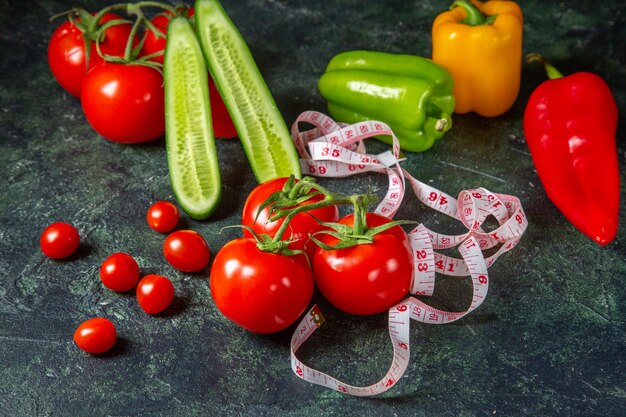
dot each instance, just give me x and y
(191, 153)
(260, 126)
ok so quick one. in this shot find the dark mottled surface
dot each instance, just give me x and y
(549, 340)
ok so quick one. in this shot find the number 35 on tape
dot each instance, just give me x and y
(334, 150)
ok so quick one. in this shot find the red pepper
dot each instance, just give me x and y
(570, 124)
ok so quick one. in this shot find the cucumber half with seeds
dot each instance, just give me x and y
(191, 152)
(260, 126)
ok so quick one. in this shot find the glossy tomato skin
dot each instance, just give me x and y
(163, 216)
(155, 293)
(260, 291)
(186, 251)
(119, 272)
(300, 227)
(124, 102)
(59, 240)
(153, 44)
(66, 52)
(369, 278)
(223, 126)
(95, 335)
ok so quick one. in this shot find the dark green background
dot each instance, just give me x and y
(548, 341)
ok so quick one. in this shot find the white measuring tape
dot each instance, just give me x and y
(334, 150)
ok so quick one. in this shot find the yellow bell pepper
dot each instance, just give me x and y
(481, 45)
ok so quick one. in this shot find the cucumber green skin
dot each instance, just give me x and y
(190, 145)
(260, 126)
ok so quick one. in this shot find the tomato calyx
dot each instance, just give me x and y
(90, 27)
(92, 31)
(357, 234)
(266, 243)
(292, 200)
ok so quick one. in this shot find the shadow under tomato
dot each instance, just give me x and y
(84, 250)
(119, 348)
(179, 305)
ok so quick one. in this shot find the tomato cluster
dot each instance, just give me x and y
(266, 292)
(121, 91)
(185, 250)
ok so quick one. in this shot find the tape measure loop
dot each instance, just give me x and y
(336, 150)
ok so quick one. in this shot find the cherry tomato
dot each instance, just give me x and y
(95, 335)
(59, 240)
(260, 291)
(186, 251)
(223, 126)
(66, 52)
(154, 293)
(162, 216)
(368, 278)
(300, 227)
(119, 272)
(124, 102)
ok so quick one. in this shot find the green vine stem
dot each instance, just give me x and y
(302, 189)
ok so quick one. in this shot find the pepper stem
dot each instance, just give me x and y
(550, 69)
(474, 17)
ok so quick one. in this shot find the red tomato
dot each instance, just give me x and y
(66, 52)
(368, 278)
(153, 44)
(154, 293)
(223, 126)
(260, 291)
(119, 272)
(95, 335)
(300, 227)
(124, 102)
(59, 240)
(186, 251)
(162, 216)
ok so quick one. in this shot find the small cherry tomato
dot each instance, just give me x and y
(95, 335)
(154, 293)
(301, 225)
(367, 278)
(262, 292)
(162, 216)
(124, 102)
(186, 251)
(119, 272)
(59, 240)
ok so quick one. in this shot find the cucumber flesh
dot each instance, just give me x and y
(260, 126)
(191, 152)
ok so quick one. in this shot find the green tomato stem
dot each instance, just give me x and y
(360, 215)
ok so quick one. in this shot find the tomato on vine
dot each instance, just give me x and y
(67, 50)
(124, 102)
(301, 226)
(370, 276)
(261, 291)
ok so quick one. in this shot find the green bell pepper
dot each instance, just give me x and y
(413, 95)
